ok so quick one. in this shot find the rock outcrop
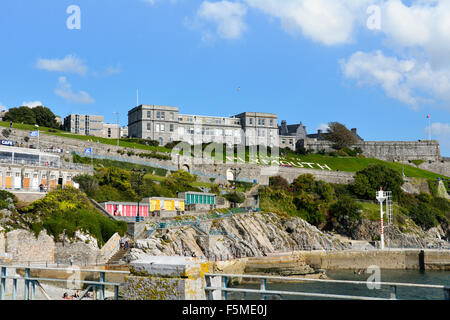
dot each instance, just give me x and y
(400, 237)
(246, 235)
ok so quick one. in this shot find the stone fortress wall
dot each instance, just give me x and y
(427, 150)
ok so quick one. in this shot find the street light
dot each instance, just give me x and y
(118, 128)
(138, 175)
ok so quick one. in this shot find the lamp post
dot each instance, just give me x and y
(138, 175)
(37, 126)
(118, 128)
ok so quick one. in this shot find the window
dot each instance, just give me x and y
(263, 122)
(149, 114)
(271, 123)
(149, 126)
(171, 116)
(171, 128)
(163, 115)
(259, 122)
(163, 127)
(250, 120)
(158, 115)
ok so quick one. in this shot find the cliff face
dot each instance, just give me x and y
(258, 235)
(247, 235)
(410, 236)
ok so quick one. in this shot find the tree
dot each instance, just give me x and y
(40, 115)
(21, 114)
(45, 117)
(374, 176)
(340, 136)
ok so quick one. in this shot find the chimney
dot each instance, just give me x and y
(354, 130)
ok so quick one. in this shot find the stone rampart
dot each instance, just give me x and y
(388, 150)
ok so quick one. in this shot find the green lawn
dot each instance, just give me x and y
(353, 164)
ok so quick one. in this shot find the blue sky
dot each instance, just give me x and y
(313, 61)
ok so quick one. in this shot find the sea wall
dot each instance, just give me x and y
(386, 259)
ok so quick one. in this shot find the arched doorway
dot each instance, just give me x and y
(230, 175)
(185, 167)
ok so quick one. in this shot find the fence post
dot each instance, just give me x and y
(102, 287)
(447, 293)
(27, 284)
(116, 292)
(224, 285)
(263, 287)
(14, 289)
(394, 294)
(3, 284)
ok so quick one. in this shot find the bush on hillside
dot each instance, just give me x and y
(65, 211)
(89, 184)
(371, 178)
(278, 182)
(345, 210)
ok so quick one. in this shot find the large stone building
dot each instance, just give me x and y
(165, 124)
(84, 124)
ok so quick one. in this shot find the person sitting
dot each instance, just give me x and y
(76, 294)
(66, 296)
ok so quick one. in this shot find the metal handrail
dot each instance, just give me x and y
(264, 292)
(291, 293)
(399, 284)
(33, 281)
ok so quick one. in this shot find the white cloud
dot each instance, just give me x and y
(153, 2)
(113, 70)
(403, 80)
(441, 131)
(32, 104)
(324, 21)
(69, 64)
(64, 90)
(227, 16)
(2, 107)
(424, 25)
(323, 126)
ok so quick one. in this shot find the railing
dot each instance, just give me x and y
(47, 164)
(30, 283)
(217, 287)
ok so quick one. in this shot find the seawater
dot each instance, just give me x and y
(404, 293)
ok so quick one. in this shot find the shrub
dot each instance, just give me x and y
(346, 209)
(6, 133)
(88, 183)
(424, 216)
(235, 197)
(278, 182)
